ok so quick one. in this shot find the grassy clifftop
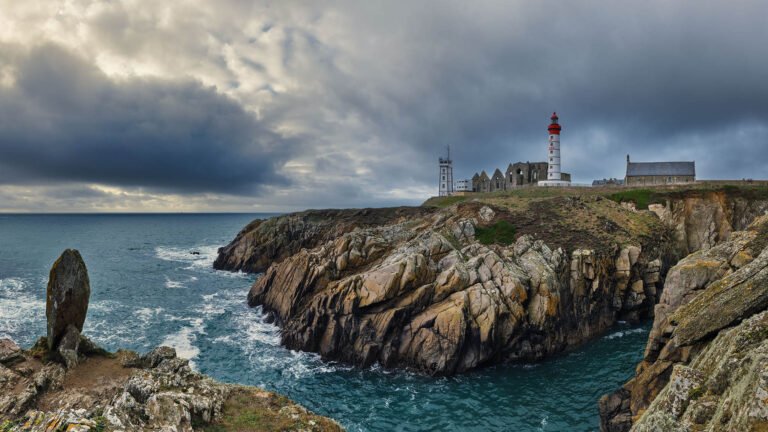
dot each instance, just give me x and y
(591, 217)
(640, 196)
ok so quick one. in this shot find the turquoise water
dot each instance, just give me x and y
(149, 289)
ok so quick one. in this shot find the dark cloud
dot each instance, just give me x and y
(339, 103)
(653, 79)
(64, 120)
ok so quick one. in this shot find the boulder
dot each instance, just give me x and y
(66, 296)
(69, 346)
(10, 353)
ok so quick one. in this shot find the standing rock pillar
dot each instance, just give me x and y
(67, 304)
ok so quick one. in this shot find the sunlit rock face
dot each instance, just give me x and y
(424, 293)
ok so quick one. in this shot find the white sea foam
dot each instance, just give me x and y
(104, 306)
(622, 333)
(198, 257)
(19, 307)
(171, 284)
(146, 315)
(183, 342)
(543, 424)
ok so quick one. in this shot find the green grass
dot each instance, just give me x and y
(641, 197)
(447, 201)
(502, 232)
(248, 410)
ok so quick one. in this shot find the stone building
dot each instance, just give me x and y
(519, 174)
(659, 173)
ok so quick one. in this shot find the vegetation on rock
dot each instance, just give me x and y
(502, 232)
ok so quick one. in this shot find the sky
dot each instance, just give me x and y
(261, 106)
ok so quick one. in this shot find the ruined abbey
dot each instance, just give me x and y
(517, 175)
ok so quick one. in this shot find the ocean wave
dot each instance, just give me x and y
(21, 310)
(183, 342)
(622, 333)
(146, 315)
(198, 257)
(103, 306)
(171, 284)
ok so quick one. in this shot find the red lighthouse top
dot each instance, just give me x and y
(554, 128)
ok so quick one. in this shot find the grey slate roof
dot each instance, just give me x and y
(661, 169)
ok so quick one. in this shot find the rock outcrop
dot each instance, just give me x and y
(66, 305)
(425, 294)
(706, 355)
(128, 392)
(99, 391)
(263, 242)
(444, 290)
(701, 220)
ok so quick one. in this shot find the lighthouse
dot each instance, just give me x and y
(554, 177)
(445, 187)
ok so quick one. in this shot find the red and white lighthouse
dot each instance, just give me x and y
(554, 177)
(553, 171)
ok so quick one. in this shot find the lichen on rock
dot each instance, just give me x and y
(425, 294)
(704, 359)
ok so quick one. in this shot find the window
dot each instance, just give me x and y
(443, 178)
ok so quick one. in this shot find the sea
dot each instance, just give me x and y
(152, 283)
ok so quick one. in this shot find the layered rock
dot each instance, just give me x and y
(421, 291)
(263, 242)
(424, 294)
(687, 380)
(126, 392)
(701, 220)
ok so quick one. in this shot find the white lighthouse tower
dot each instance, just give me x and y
(446, 175)
(553, 156)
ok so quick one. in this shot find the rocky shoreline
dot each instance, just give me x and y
(439, 290)
(67, 383)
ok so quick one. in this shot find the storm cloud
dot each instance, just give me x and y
(64, 120)
(285, 105)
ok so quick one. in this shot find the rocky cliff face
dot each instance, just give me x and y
(263, 242)
(425, 294)
(701, 220)
(436, 290)
(705, 362)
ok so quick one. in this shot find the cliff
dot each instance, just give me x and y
(705, 363)
(467, 282)
(265, 241)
